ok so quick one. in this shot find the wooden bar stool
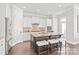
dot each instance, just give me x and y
(61, 40)
(54, 45)
(42, 47)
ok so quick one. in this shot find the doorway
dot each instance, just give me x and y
(63, 26)
(63, 31)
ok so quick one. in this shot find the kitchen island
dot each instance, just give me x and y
(39, 36)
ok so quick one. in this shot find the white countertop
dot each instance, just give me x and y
(38, 34)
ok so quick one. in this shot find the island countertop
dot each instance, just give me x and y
(39, 34)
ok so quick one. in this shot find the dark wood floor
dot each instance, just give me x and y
(24, 48)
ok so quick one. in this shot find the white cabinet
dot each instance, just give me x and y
(2, 47)
(2, 28)
(4, 16)
(55, 24)
(17, 25)
(27, 22)
(49, 22)
(14, 16)
(26, 36)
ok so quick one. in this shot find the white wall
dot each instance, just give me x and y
(76, 34)
(72, 34)
(69, 14)
(70, 25)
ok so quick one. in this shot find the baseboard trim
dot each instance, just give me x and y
(73, 43)
(27, 41)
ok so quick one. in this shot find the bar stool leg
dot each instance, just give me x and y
(39, 50)
(51, 48)
(48, 49)
(60, 47)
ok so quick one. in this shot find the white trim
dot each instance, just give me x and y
(73, 43)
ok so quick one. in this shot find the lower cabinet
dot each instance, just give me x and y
(2, 47)
(26, 36)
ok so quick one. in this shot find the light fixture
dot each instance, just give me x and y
(49, 12)
(38, 10)
(59, 5)
(24, 7)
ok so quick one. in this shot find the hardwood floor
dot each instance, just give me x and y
(72, 49)
(24, 48)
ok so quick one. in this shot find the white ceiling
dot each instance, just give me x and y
(43, 8)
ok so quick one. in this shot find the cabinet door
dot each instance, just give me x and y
(2, 20)
(2, 28)
(8, 27)
(2, 47)
(17, 25)
(26, 36)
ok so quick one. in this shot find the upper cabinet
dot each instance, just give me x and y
(28, 21)
(49, 22)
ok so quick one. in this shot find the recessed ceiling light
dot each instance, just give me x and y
(59, 5)
(38, 10)
(23, 7)
(49, 12)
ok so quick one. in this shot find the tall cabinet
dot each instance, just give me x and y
(11, 28)
(2, 28)
(17, 25)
